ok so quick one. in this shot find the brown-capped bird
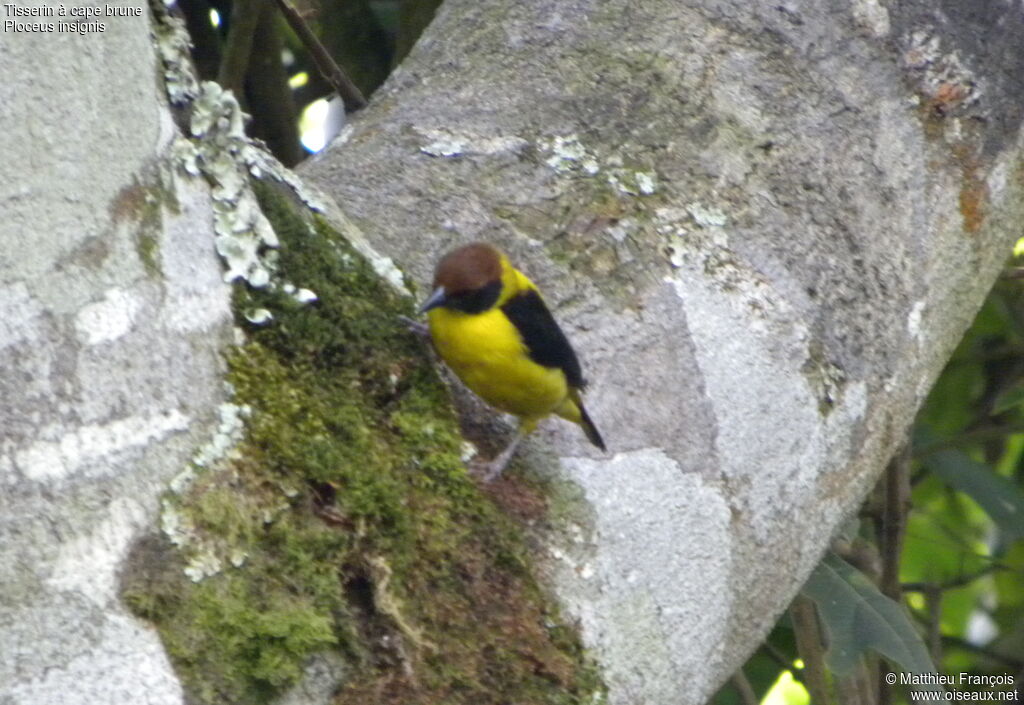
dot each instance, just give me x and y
(491, 326)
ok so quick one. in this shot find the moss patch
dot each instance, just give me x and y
(346, 520)
(143, 203)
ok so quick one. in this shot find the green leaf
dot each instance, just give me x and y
(1010, 399)
(1009, 587)
(945, 542)
(763, 669)
(858, 618)
(950, 406)
(1001, 499)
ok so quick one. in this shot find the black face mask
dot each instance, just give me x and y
(475, 301)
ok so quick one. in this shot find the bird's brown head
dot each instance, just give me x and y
(467, 279)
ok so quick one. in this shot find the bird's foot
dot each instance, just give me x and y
(417, 327)
(488, 472)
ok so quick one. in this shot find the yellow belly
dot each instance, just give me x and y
(487, 354)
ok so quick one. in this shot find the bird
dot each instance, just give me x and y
(490, 325)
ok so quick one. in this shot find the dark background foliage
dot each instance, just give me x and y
(250, 47)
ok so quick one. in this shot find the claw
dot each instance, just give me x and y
(416, 327)
(493, 469)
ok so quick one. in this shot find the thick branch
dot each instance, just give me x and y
(245, 15)
(268, 93)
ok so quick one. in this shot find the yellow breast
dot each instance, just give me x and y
(487, 353)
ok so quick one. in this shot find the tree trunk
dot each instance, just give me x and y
(113, 314)
(764, 227)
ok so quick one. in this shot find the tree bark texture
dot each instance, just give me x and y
(765, 226)
(112, 312)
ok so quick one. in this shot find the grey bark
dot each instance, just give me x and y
(112, 311)
(765, 226)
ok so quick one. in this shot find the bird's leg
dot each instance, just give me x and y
(498, 465)
(416, 327)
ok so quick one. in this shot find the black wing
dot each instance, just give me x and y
(545, 341)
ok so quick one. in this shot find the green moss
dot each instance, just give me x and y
(826, 379)
(148, 247)
(347, 521)
(143, 203)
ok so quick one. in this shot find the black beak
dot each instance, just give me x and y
(438, 298)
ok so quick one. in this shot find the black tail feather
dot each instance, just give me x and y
(593, 435)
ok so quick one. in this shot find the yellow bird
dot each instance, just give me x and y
(492, 328)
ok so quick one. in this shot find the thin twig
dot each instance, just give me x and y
(961, 643)
(891, 533)
(954, 583)
(978, 434)
(856, 688)
(957, 642)
(743, 687)
(894, 521)
(350, 95)
(777, 656)
(810, 644)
